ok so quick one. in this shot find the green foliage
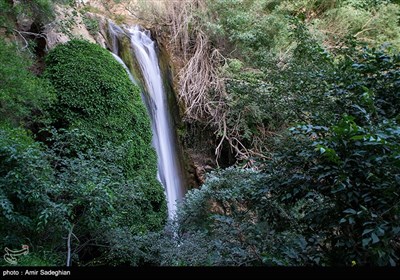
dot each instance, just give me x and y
(329, 196)
(40, 259)
(66, 2)
(372, 84)
(24, 182)
(353, 163)
(163, 248)
(96, 97)
(94, 197)
(21, 93)
(224, 213)
(326, 192)
(89, 176)
(92, 25)
(256, 107)
(247, 25)
(230, 221)
(262, 28)
(367, 4)
(375, 26)
(45, 194)
(317, 86)
(35, 257)
(355, 169)
(6, 20)
(40, 12)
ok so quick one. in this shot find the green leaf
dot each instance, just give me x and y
(375, 238)
(350, 211)
(366, 241)
(380, 231)
(366, 231)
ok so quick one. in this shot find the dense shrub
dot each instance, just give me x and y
(21, 93)
(91, 171)
(45, 197)
(96, 96)
(25, 177)
(327, 193)
(230, 221)
(40, 12)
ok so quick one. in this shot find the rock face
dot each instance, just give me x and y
(118, 11)
(24, 22)
(199, 164)
(81, 2)
(54, 38)
(72, 22)
(68, 25)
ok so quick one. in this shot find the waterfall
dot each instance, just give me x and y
(144, 52)
(117, 58)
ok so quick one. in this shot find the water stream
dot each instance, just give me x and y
(144, 51)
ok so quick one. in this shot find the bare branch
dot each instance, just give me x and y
(70, 233)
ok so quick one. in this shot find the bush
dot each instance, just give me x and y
(45, 195)
(255, 36)
(92, 25)
(41, 11)
(101, 148)
(21, 93)
(96, 96)
(352, 167)
(375, 25)
(5, 21)
(327, 191)
(230, 222)
(25, 178)
(351, 162)
(327, 197)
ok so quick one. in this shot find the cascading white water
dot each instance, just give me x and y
(164, 141)
(117, 58)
